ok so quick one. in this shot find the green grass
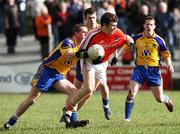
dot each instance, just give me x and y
(149, 117)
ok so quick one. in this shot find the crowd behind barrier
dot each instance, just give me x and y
(18, 17)
(64, 15)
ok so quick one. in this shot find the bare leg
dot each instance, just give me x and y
(158, 93)
(85, 99)
(30, 100)
(129, 104)
(89, 86)
(161, 97)
(66, 87)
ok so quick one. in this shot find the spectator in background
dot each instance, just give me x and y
(75, 7)
(11, 24)
(1, 17)
(41, 22)
(34, 7)
(131, 12)
(173, 4)
(22, 16)
(64, 21)
(105, 6)
(53, 9)
(152, 5)
(140, 17)
(165, 23)
(176, 15)
(84, 6)
(120, 9)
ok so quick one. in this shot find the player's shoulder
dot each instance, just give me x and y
(67, 43)
(137, 36)
(159, 39)
(119, 31)
(95, 30)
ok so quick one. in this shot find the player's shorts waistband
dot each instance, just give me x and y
(146, 66)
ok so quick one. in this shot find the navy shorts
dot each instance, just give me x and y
(150, 75)
(45, 78)
(78, 71)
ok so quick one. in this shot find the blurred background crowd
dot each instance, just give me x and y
(23, 17)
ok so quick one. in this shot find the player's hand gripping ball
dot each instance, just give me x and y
(96, 52)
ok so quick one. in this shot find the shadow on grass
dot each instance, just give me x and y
(38, 128)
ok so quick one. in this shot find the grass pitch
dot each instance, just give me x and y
(148, 117)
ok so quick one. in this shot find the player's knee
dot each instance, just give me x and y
(90, 94)
(72, 92)
(131, 94)
(90, 91)
(31, 101)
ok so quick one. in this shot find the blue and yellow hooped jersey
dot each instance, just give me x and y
(148, 50)
(57, 58)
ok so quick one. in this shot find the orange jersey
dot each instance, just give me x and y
(42, 23)
(110, 42)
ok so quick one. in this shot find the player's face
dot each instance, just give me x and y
(149, 26)
(81, 34)
(110, 28)
(91, 20)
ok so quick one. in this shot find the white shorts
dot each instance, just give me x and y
(99, 69)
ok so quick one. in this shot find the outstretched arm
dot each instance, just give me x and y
(126, 47)
(169, 64)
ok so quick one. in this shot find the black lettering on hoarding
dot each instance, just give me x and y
(23, 78)
(6, 79)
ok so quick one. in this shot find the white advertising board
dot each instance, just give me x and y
(17, 78)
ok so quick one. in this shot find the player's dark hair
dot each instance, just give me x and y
(149, 18)
(107, 18)
(77, 27)
(90, 10)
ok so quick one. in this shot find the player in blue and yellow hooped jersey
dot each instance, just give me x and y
(149, 47)
(51, 72)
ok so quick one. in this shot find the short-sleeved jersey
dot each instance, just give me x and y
(148, 50)
(58, 60)
(110, 42)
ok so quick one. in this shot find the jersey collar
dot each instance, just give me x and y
(154, 34)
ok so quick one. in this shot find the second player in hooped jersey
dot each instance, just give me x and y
(59, 60)
(149, 49)
(51, 73)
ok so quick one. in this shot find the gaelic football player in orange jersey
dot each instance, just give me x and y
(94, 72)
(91, 23)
